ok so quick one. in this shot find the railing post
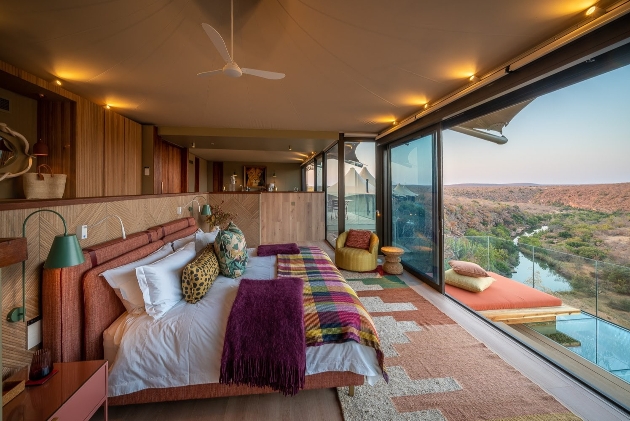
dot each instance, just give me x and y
(596, 291)
(533, 267)
(488, 251)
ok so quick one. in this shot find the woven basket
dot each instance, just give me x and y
(44, 186)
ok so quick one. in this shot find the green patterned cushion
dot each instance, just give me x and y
(199, 275)
(231, 251)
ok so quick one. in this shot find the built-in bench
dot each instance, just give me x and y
(512, 302)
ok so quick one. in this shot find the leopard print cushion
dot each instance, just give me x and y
(199, 275)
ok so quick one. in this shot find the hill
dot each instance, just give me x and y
(597, 197)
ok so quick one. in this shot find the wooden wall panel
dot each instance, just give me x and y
(137, 215)
(90, 149)
(56, 127)
(133, 158)
(292, 217)
(246, 207)
(170, 163)
(86, 157)
(114, 154)
(217, 176)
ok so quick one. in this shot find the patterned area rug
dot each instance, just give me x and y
(437, 370)
(376, 273)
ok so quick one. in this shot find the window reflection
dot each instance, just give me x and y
(413, 196)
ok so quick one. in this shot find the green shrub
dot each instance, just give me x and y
(582, 283)
(501, 231)
(616, 278)
(590, 252)
(621, 305)
(576, 243)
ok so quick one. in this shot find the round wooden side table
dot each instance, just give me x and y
(392, 263)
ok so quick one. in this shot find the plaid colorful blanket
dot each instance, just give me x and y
(333, 312)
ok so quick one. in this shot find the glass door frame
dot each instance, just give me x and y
(384, 223)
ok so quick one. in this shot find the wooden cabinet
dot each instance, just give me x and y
(74, 393)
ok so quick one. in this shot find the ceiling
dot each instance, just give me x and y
(351, 66)
(288, 146)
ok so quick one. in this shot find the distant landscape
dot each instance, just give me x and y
(589, 221)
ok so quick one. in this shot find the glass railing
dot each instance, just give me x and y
(599, 289)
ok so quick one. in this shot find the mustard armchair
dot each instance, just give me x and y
(356, 260)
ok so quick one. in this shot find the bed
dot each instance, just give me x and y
(79, 305)
(512, 302)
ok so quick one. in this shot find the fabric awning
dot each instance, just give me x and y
(495, 121)
(365, 173)
(355, 185)
(403, 191)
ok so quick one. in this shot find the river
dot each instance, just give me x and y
(544, 279)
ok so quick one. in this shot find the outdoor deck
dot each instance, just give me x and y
(353, 221)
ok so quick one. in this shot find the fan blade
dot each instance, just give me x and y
(217, 41)
(262, 73)
(210, 73)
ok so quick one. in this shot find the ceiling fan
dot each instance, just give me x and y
(231, 68)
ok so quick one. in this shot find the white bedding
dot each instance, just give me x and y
(184, 347)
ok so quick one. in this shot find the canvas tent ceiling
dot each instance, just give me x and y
(354, 65)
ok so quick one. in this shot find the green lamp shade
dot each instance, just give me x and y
(65, 252)
(205, 210)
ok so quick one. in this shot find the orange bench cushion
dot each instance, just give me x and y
(505, 293)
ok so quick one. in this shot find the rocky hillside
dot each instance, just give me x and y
(464, 216)
(598, 197)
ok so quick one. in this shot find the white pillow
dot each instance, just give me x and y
(177, 244)
(205, 238)
(161, 281)
(124, 282)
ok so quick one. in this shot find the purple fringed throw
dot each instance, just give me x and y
(274, 249)
(265, 343)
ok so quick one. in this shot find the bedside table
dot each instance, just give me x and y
(74, 393)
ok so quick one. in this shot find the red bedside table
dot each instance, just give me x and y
(74, 393)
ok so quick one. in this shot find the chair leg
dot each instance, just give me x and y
(351, 391)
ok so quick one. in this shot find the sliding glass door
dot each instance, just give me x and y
(416, 200)
(332, 199)
(360, 185)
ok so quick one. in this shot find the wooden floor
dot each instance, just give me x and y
(323, 405)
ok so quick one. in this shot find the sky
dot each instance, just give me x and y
(577, 135)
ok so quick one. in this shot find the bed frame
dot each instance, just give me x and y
(78, 305)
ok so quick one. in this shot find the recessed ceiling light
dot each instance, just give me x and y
(395, 123)
(473, 78)
(107, 106)
(290, 148)
(426, 105)
(58, 82)
(594, 11)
